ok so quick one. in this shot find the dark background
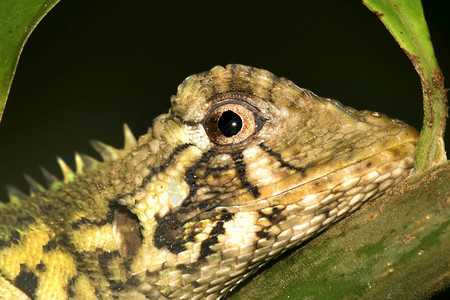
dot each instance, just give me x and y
(91, 66)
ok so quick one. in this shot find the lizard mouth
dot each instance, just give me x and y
(358, 179)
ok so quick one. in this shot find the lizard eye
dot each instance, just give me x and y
(232, 122)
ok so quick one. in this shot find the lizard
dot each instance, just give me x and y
(244, 166)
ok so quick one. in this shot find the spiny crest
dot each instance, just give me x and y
(109, 153)
(15, 195)
(129, 139)
(83, 164)
(67, 172)
(53, 182)
(35, 187)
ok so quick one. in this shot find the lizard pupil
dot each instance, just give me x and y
(230, 123)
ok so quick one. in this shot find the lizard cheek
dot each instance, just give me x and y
(232, 123)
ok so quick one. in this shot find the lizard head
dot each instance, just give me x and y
(246, 165)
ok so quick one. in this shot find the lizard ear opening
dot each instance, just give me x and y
(126, 231)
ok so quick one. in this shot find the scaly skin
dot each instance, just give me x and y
(190, 209)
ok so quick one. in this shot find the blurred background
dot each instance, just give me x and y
(91, 66)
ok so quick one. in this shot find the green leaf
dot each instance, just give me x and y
(394, 248)
(406, 22)
(18, 18)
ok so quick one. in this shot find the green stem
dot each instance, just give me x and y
(406, 22)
